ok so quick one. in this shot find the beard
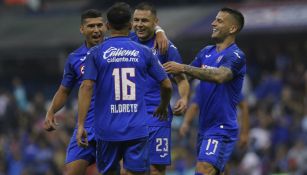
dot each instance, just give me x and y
(218, 40)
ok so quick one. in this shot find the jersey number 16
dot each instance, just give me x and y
(122, 84)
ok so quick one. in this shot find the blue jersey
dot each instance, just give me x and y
(73, 72)
(217, 102)
(152, 96)
(120, 66)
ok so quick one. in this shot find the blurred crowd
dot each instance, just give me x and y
(38, 6)
(275, 88)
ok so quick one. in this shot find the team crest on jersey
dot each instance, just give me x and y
(154, 51)
(82, 68)
(219, 59)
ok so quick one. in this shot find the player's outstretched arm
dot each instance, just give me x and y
(161, 41)
(217, 75)
(244, 127)
(166, 93)
(184, 90)
(84, 101)
(58, 101)
(191, 112)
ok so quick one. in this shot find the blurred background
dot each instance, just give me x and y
(36, 37)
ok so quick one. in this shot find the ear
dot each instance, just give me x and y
(233, 29)
(108, 26)
(130, 25)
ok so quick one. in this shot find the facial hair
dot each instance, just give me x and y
(217, 40)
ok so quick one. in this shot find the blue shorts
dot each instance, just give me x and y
(215, 150)
(74, 152)
(134, 153)
(160, 145)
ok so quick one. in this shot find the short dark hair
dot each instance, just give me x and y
(237, 15)
(146, 6)
(91, 13)
(119, 15)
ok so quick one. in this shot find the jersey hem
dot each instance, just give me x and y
(119, 140)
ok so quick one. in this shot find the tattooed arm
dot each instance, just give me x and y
(217, 75)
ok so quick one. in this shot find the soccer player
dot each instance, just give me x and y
(118, 68)
(144, 22)
(93, 29)
(221, 69)
(78, 159)
(193, 110)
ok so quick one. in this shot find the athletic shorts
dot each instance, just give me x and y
(160, 145)
(135, 155)
(215, 150)
(74, 152)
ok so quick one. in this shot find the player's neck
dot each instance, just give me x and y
(115, 33)
(226, 43)
(88, 45)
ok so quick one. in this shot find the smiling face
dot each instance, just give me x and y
(144, 23)
(223, 26)
(93, 29)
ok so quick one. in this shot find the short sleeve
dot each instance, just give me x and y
(155, 68)
(173, 54)
(234, 61)
(91, 67)
(69, 76)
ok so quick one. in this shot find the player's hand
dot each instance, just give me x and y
(184, 128)
(50, 122)
(180, 107)
(244, 138)
(82, 137)
(172, 67)
(161, 113)
(161, 43)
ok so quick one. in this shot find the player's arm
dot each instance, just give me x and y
(61, 96)
(161, 41)
(84, 101)
(156, 71)
(230, 65)
(244, 127)
(85, 95)
(57, 103)
(181, 81)
(191, 112)
(184, 90)
(217, 75)
(165, 93)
